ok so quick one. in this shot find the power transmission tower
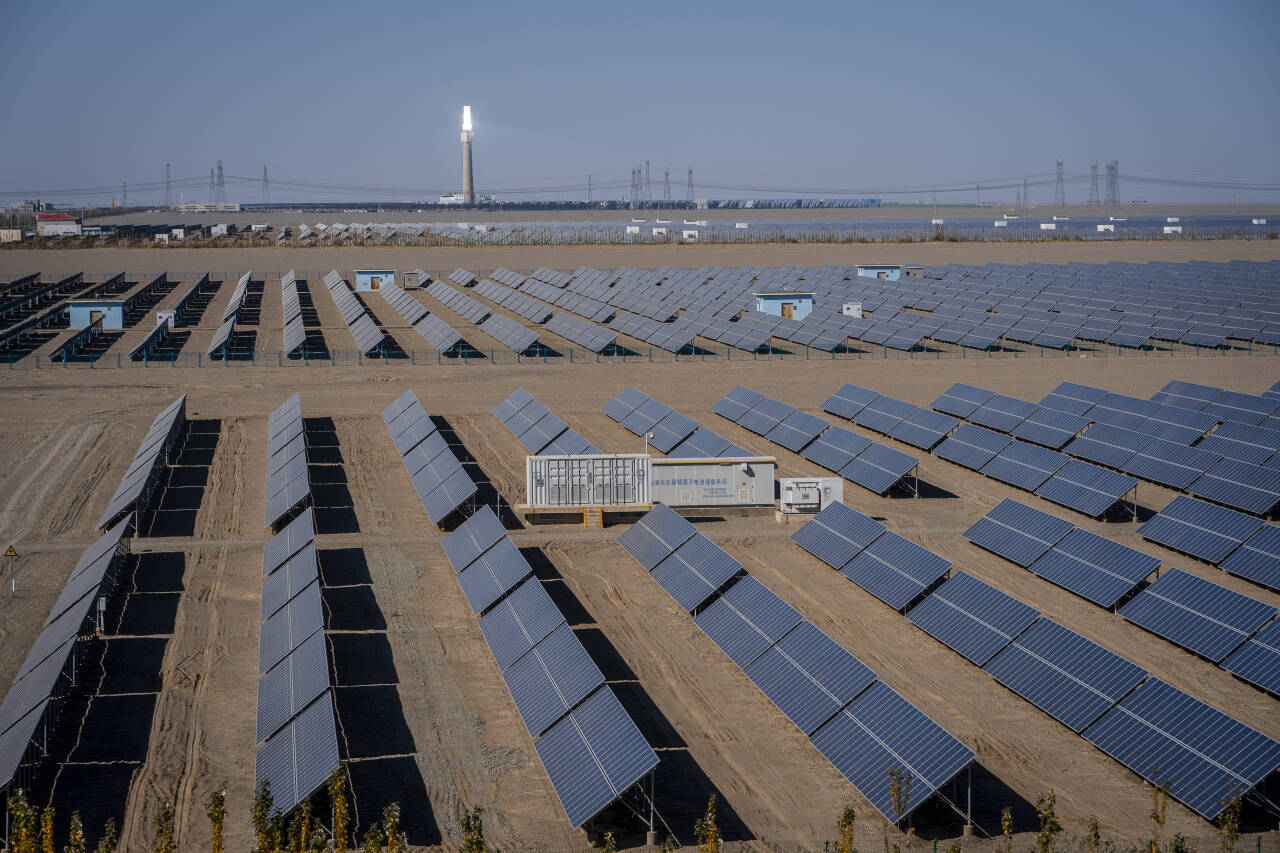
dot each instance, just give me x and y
(1060, 194)
(1026, 196)
(1093, 184)
(211, 186)
(648, 185)
(689, 193)
(1017, 199)
(266, 186)
(124, 192)
(589, 189)
(666, 186)
(1113, 182)
(168, 186)
(220, 193)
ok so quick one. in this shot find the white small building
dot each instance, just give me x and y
(57, 225)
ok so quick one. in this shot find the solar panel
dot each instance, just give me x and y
(656, 535)
(765, 415)
(809, 676)
(962, 400)
(1258, 661)
(512, 404)
(1073, 398)
(552, 677)
(625, 403)
(923, 428)
(1244, 442)
(1094, 567)
(880, 732)
(796, 430)
(1186, 394)
(747, 620)
(289, 579)
(672, 430)
(972, 617)
(593, 756)
(1017, 532)
(298, 760)
(519, 622)
(972, 446)
(1239, 485)
(1200, 529)
(879, 468)
(837, 534)
(1002, 413)
(1168, 737)
(1107, 445)
(645, 416)
(1241, 408)
(1086, 488)
(702, 443)
(289, 626)
(1169, 464)
(1199, 615)
(1070, 678)
(849, 400)
(292, 685)
(883, 414)
(493, 574)
(15, 741)
(835, 448)
(1258, 559)
(736, 403)
(1025, 465)
(895, 569)
(693, 572)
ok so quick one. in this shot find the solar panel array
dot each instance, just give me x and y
(295, 332)
(469, 309)
(1198, 615)
(140, 480)
(673, 433)
(442, 484)
(222, 337)
(590, 747)
(47, 673)
(858, 723)
(288, 480)
(440, 335)
(581, 332)
(538, 429)
(515, 301)
(297, 736)
(1240, 544)
(870, 465)
(368, 336)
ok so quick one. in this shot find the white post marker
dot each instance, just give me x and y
(11, 553)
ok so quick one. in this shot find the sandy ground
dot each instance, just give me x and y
(424, 715)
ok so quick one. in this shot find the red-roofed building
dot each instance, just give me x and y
(57, 225)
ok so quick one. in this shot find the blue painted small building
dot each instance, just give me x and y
(785, 303)
(374, 279)
(85, 311)
(890, 272)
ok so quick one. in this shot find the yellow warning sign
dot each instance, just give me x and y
(11, 552)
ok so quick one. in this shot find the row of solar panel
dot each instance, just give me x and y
(295, 332)
(143, 474)
(222, 337)
(296, 733)
(1201, 616)
(1240, 544)
(540, 431)
(669, 431)
(437, 475)
(45, 676)
(436, 332)
(591, 749)
(288, 479)
(856, 722)
(364, 330)
(857, 459)
(1068, 676)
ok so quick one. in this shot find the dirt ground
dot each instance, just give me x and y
(423, 712)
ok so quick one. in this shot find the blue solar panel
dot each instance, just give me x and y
(1122, 410)
(879, 468)
(737, 403)
(645, 416)
(746, 620)
(972, 446)
(1070, 678)
(848, 401)
(694, 571)
(625, 403)
(1200, 529)
(1258, 559)
(1025, 465)
(1094, 567)
(493, 574)
(880, 732)
(1186, 394)
(809, 676)
(1246, 443)
(923, 428)
(835, 448)
(653, 537)
(1241, 408)
(1174, 423)
(962, 400)
(1050, 427)
(1086, 488)
(672, 430)
(837, 534)
(1073, 398)
(765, 415)
(883, 413)
(593, 756)
(1239, 485)
(1199, 615)
(1169, 737)
(517, 624)
(1258, 661)
(702, 443)
(1169, 464)
(796, 430)
(895, 569)
(1002, 413)
(551, 678)
(1107, 445)
(972, 617)
(1018, 532)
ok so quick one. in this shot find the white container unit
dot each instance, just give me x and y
(620, 479)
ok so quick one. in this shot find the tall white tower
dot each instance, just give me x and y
(468, 185)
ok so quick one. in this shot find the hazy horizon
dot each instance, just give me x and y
(364, 103)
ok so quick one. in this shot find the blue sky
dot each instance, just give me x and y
(823, 96)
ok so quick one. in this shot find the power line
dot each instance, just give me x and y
(1093, 184)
